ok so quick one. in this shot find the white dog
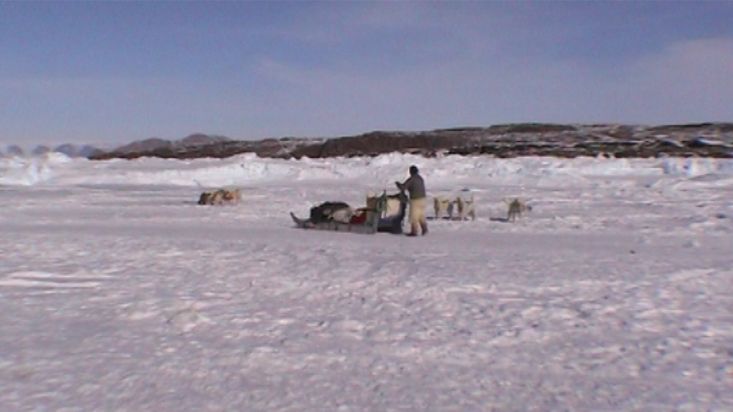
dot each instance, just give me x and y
(466, 207)
(443, 206)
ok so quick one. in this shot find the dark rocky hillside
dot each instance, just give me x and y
(527, 139)
(157, 145)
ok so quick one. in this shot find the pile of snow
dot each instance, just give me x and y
(56, 168)
(27, 171)
(696, 166)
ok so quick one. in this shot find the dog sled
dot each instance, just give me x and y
(383, 213)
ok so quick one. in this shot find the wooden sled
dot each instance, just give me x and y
(374, 222)
(363, 228)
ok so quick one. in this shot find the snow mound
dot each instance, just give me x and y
(692, 167)
(27, 171)
(56, 168)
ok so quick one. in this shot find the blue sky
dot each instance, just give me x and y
(111, 72)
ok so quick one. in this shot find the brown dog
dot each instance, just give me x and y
(516, 207)
(220, 197)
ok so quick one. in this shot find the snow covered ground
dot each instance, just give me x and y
(118, 292)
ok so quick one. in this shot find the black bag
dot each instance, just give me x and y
(324, 211)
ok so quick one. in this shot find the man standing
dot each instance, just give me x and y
(415, 186)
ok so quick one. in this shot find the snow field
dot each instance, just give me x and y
(117, 292)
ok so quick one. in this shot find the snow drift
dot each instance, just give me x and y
(57, 169)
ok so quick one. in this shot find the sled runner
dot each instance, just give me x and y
(383, 213)
(335, 226)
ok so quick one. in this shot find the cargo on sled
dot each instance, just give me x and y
(383, 213)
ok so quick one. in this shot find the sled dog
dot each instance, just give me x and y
(466, 207)
(516, 207)
(443, 206)
(220, 197)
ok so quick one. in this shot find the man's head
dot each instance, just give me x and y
(413, 170)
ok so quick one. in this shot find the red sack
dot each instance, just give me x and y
(358, 219)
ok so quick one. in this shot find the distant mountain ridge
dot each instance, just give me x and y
(139, 146)
(154, 143)
(509, 140)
